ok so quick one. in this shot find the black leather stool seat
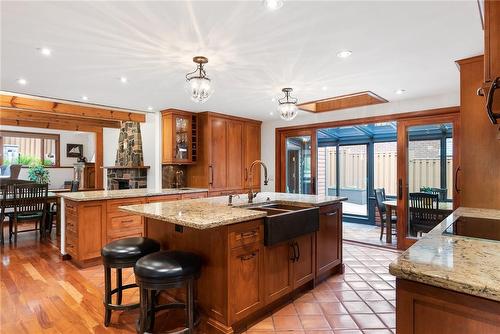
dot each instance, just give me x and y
(168, 265)
(128, 250)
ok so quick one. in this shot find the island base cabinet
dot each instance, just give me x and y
(329, 241)
(424, 309)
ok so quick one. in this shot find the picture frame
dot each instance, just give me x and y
(74, 150)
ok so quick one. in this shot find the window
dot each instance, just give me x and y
(28, 148)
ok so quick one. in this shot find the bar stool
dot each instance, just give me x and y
(120, 254)
(161, 271)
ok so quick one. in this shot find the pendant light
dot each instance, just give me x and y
(287, 106)
(273, 4)
(198, 85)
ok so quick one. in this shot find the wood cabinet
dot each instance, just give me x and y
(85, 235)
(179, 144)
(227, 144)
(89, 225)
(329, 240)
(478, 177)
(425, 309)
(89, 175)
(491, 40)
(288, 266)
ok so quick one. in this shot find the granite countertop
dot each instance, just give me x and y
(463, 264)
(204, 213)
(82, 196)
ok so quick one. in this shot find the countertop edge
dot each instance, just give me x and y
(68, 195)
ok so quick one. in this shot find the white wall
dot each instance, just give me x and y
(269, 127)
(59, 175)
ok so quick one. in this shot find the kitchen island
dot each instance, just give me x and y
(91, 219)
(246, 274)
(449, 281)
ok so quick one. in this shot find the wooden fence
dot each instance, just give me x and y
(422, 172)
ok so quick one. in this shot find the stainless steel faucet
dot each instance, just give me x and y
(251, 194)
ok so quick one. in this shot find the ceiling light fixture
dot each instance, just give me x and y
(123, 79)
(344, 54)
(150, 108)
(324, 88)
(45, 51)
(199, 86)
(273, 4)
(287, 106)
(22, 81)
(85, 98)
(400, 91)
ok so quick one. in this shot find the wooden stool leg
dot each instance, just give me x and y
(15, 231)
(190, 305)
(107, 295)
(119, 286)
(144, 310)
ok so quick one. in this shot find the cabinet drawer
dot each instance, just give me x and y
(113, 205)
(126, 234)
(71, 224)
(71, 244)
(244, 234)
(118, 224)
(164, 198)
(194, 195)
(71, 209)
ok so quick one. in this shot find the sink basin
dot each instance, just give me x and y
(286, 222)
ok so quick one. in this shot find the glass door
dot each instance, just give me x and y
(298, 162)
(353, 177)
(427, 159)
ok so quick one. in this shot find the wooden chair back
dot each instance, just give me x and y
(442, 193)
(15, 170)
(424, 220)
(379, 199)
(424, 201)
(30, 198)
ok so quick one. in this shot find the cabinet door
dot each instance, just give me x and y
(251, 148)
(303, 267)
(328, 239)
(246, 281)
(91, 229)
(278, 271)
(218, 159)
(234, 154)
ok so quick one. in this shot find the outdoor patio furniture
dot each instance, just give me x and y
(442, 193)
(15, 170)
(379, 199)
(423, 212)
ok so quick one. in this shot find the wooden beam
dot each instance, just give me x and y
(99, 159)
(69, 109)
(49, 125)
(39, 116)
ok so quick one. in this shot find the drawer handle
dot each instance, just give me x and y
(128, 221)
(329, 214)
(250, 234)
(247, 257)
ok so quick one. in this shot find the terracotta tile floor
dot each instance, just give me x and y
(368, 234)
(362, 301)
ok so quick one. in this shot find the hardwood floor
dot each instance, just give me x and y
(40, 293)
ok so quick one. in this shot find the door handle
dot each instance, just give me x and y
(313, 184)
(294, 256)
(211, 175)
(400, 189)
(455, 182)
(489, 101)
(298, 251)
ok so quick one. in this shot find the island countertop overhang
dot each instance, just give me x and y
(205, 213)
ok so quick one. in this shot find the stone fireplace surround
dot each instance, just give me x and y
(137, 177)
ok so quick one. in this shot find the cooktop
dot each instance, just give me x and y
(481, 228)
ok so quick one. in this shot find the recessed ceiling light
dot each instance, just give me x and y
(150, 108)
(85, 98)
(273, 4)
(400, 91)
(22, 81)
(123, 79)
(271, 113)
(344, 54)
(45, 51)
(324, 88)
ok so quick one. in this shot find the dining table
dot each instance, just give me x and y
(391, 209)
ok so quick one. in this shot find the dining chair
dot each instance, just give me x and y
(53, 208)
(30, 201)
(3, 205)
(422, 210)
(379, 199)
(15, 170)
(442, 193)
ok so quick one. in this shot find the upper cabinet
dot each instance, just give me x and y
(491, 83)
(179, 137)
(228, 145)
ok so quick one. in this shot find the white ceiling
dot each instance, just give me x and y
(252, 52)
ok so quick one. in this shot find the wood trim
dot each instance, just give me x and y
(41, 116)
(230, 117)
(50, 125)
(376, 119)
(346, 101)
(69, 108)
(99, 158)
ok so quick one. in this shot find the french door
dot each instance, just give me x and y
(297, 166)
(428, 159)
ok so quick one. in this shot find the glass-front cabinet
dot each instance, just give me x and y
(179, 137)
